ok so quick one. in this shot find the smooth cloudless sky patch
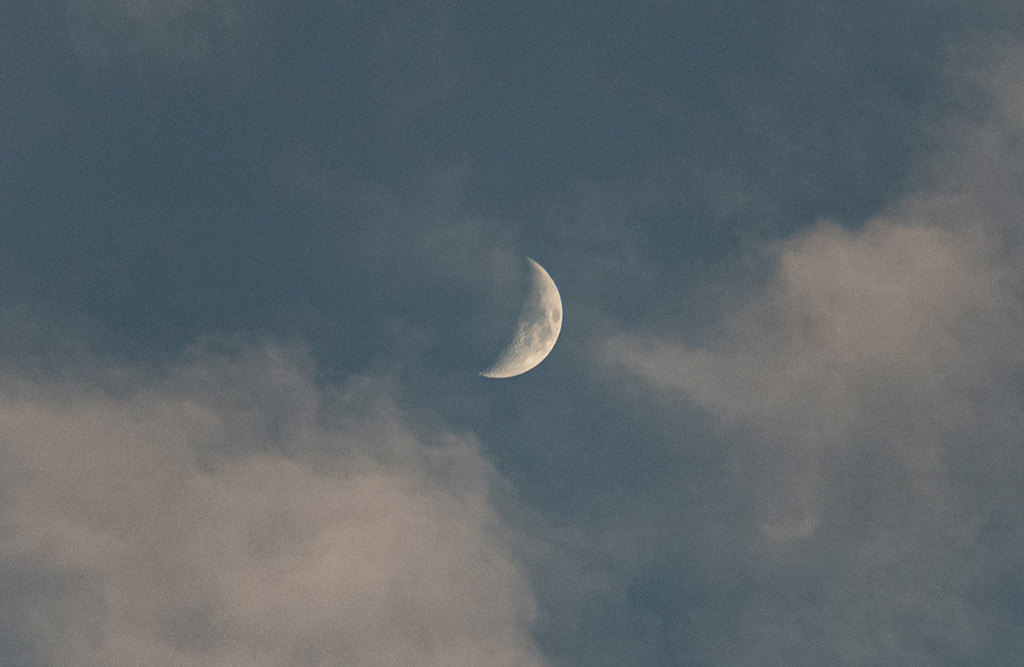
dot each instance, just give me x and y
(253, 254)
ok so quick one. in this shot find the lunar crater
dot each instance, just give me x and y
(537, 330)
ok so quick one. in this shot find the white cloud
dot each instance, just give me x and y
(231, 513)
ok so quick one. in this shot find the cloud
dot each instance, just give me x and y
(229, 512)
(870, 394)
(170, 32)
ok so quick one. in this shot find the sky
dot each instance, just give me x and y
(254, 254)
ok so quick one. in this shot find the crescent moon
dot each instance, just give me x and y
(537, 330)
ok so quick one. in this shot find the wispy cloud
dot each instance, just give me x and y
(872, 392)
(166, 32)
(230, 512)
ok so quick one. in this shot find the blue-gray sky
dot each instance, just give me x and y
(253, 254)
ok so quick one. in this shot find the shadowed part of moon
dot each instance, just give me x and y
(537, 329)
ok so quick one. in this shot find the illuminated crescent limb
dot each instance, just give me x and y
(537, 330)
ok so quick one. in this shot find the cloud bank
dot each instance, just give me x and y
(231, 513)
(872, 397)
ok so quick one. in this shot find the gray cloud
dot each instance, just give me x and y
(871, 396)
(229, 512)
